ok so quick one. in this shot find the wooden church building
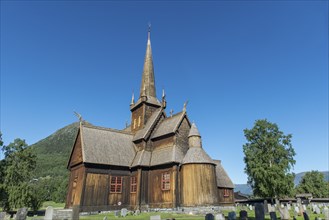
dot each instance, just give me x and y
(156, 162)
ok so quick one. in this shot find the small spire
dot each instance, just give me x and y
(164, 102)
(163, 94)
(171, 112)
(132, 99)
(185, 104)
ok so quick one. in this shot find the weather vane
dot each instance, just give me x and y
(78, 116)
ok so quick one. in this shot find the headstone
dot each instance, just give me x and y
(49, 213)
(209, 216)
(273, 215)
(75, 212)
(243, 215)
(105, 218)
(306, 216)
(289, 206)
(266, 207)
(231, 216)
(2, 215)
(21, 214)
(269, 208)
(325, 212)
(219, 217)
(305, 208)
(297, 212)
(62, 214)
(155, 217)
(250, 207)
(284, 213)
(317, 210)
(259, 211)
(116, 213)
(137, 212)
(124, 212)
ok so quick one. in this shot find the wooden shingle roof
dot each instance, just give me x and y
(223, 180)
(197, 155)
(143, 133)
(169, 125)
(107, 146)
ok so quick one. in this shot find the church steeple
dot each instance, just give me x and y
(147, 102)
(148, 82)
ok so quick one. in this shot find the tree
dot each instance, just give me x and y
(313, 182)
(19, 164)
(269, 156)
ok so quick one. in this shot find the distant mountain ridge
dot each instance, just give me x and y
(246, 189)
(53, 153)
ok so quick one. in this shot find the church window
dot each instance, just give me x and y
(139, 121)
(133, 184)
(226, 193)
(116, 184)
(134, 123)
(165, 181)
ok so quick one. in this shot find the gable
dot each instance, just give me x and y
(76, 155)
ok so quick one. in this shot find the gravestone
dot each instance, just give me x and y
(105, 218)
(243, 215)
(250, 207)
(306, 216)
(297, 210)
(49, 213)
(325, 211)
(2, 215)
(137, 212)
(219, 217)
(259, 211)
(75, 212)
(273, 215)
(62, 214)
(124, 212)
(209, 216)
(155, 217)
(116, 213)
(317, 210)
(266, 207)
(289, 206)
(284, 213)
(305, 208)
(270, 208)
(21, 214)
(231, 216)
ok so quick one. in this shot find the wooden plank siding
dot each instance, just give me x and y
(198, 185)
(75, 187)
(159, 198)
(226, 199)
(76, 157)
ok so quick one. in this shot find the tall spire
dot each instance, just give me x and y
(148, 82)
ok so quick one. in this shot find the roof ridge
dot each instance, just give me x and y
(108, 129)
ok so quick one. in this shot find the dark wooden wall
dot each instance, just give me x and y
(159, 198)
(198, 185)
(75, 189)
(226, 200)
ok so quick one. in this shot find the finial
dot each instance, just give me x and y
(163, 94)
(132, 99)
(78, 116)
(171, 112)
(149, 33)
(126, 124)
(185, 104)
(149, 27)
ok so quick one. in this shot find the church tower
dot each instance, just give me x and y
(147, 102)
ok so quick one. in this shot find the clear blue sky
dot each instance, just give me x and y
(235, 61)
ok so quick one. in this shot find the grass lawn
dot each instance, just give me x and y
(146, 215)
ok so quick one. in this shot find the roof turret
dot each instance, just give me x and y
(194, 131)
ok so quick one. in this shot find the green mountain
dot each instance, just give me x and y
(54, 151)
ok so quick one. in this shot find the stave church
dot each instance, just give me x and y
(156, 162)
